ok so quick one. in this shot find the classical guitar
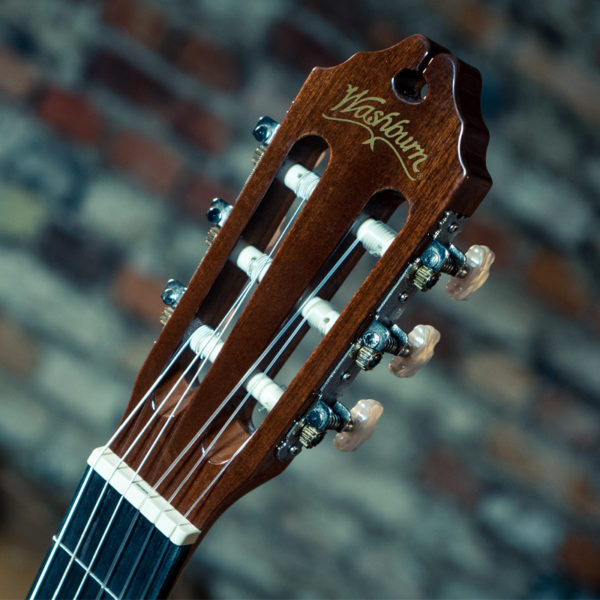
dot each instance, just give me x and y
(214, 411)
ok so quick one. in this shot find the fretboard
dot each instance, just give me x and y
(109, 544)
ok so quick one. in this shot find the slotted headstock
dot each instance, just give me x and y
(401, 126)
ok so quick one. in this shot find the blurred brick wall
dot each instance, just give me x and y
(120, 120)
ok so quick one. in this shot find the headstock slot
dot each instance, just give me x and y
(261, 230)
(431, 151)
(387, 206)
(277, 205)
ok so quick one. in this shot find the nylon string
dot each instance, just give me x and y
(216, 334)
(237, 410)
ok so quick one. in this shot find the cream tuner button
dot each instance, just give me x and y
(479, 262)
(422, 340)
(365, 415)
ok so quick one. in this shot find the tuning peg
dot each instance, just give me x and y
(422, 340)
(365, 415)
(479, 260)
(265, 129)
(263, 133)
(171, 295)
(217, 215)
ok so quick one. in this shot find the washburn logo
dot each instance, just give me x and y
(389, 128)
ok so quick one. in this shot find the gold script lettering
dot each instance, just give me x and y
(365, 111)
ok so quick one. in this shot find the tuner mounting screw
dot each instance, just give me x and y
(371, 339)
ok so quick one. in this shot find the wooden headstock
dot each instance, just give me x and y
(389, 143)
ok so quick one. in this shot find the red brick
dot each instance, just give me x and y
(139, 295)
(156, 165)
(580, 559)
(199, 192)
(120, 76)
(77, 253)
(71, 114)
(545, 469)
(487, 372)
(200, 127)
(383, 33)
(300, 49)
(560, 413)
(573, 84)
(558, 282)
(17, 77)
(471, 18)
(583, 497)
(140, 21)
(206, 61)
(191, 122)
(448, 474)
(349, 16)
(504, 244)
(18, 350)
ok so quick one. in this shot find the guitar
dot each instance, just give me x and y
(214, 411)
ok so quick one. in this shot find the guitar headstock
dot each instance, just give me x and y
(401, 127)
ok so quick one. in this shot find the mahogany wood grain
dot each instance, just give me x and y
(448, 126)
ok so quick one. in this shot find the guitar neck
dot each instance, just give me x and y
(220, 405)
(117, 540)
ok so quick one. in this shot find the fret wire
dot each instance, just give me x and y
(88, 572)
(223, 323)
(80, 492)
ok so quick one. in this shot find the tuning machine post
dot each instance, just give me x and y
(171, 296)
(412, 351)
(468, 271)
(263, 133)
(310, 430)
(217, 215)
(376, 340)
